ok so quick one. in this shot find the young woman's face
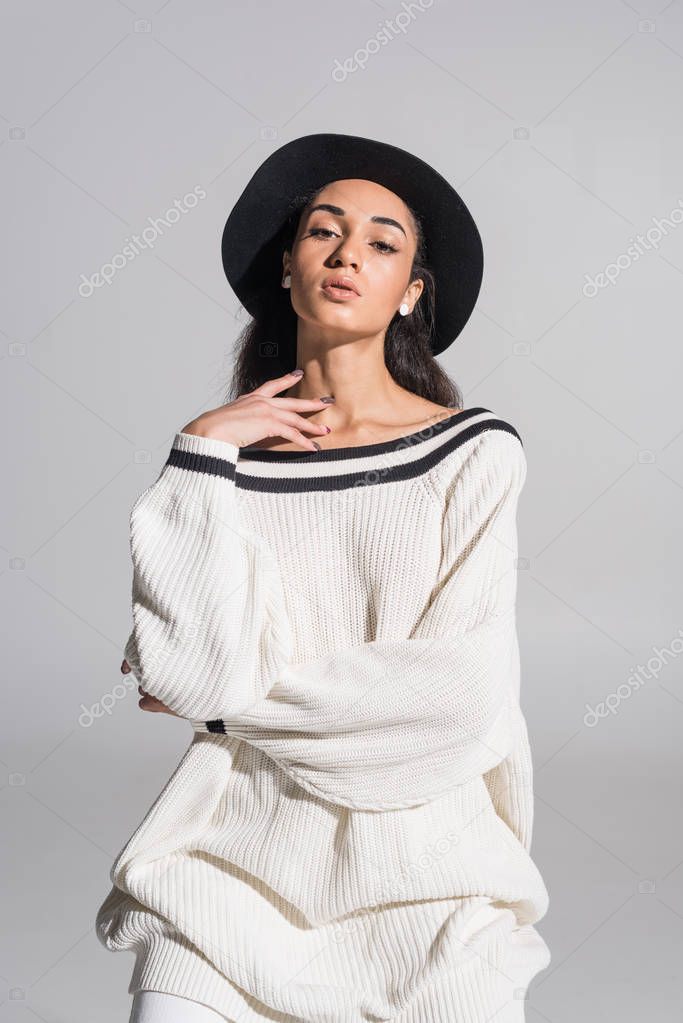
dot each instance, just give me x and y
(359, 230)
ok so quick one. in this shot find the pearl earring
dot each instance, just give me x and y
(403, 308)
(287, 283)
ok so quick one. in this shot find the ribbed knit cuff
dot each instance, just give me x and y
(216, 726)
(209, 447)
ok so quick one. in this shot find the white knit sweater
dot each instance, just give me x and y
(338, 627)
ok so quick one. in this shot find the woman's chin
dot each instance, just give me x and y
(327, 315)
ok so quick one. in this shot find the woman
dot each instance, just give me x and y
(324, 586)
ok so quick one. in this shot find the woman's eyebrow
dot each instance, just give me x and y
(339, 212)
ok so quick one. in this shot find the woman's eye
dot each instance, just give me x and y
(386, 247)
(382, 246)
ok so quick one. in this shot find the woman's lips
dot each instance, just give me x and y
(341, 294)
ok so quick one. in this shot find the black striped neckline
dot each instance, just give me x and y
(360, 466)
(360, 450)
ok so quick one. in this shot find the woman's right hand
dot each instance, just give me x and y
(259, 414)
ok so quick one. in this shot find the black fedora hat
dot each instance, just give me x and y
(251, 243)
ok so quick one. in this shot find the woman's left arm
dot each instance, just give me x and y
(205, 589)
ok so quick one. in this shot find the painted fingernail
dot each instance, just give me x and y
(297, 372)
(315, 444)
(328, 399)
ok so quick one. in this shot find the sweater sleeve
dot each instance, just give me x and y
(394, 723)
(510, 784)
(205, 590)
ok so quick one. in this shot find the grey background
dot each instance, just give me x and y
(560, 125)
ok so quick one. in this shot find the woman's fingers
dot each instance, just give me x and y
(290, 432)
(272, 387)
(299, 424)
(260, 414)
(148, 702)
(302, 404)
(151, 703)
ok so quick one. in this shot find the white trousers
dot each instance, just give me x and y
(158, 1007)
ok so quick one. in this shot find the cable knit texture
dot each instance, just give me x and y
(348, 835)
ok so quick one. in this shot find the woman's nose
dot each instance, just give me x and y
(345, 256)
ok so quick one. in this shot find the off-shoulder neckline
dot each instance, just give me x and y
(358, 450)
(334, 469)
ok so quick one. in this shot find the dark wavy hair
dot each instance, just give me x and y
(266, 347)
